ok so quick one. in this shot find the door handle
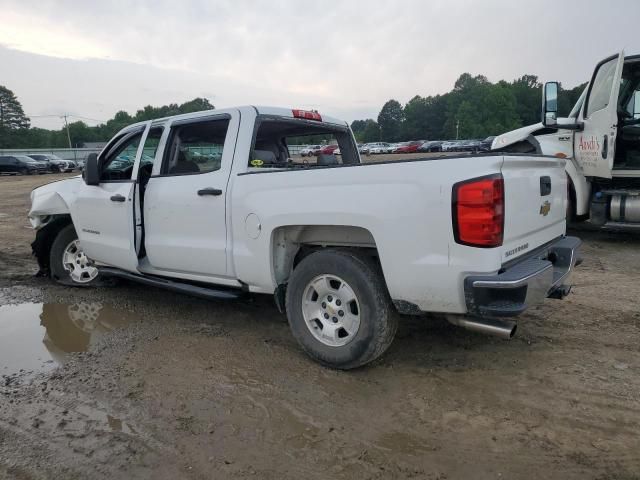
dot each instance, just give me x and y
(545, 186)
(210, 191)
(605, 147)
(118, 198)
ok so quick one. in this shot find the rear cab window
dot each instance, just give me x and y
(279, 143)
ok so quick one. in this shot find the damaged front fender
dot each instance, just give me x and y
(52, 200)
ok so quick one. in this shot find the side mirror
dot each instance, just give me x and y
(550, 104)
(91, 172)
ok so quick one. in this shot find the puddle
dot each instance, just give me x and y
(39, 336)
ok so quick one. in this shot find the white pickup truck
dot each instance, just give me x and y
(211, 204)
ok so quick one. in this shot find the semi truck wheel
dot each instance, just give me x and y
(339, 309)
(68, 263)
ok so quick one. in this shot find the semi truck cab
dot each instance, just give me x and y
(600, 140)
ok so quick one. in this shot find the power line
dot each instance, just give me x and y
(63, 115)
(88, 118)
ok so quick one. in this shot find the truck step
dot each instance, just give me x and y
(187, 288)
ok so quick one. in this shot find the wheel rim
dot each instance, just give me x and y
(331, 310)
(74, 261)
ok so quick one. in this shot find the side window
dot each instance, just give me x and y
(601, 87)
(118, 163)
(195, 147)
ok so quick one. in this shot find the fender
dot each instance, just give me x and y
(52, 199)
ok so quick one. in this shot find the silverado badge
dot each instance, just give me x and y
(545, 208)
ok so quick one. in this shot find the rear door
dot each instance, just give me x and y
(185, 228)
(594, 146)
(535, 196)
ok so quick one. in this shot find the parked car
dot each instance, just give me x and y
(328, 149)
(21, 165)
(342, 250)
(55, 163)
(486, 144)
(310, 150)
(431, 146)
(392, 147)
(409, 147)
(450, 146)
(379, 147)
(467, 146)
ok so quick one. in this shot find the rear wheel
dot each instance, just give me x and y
(339, 309)
(68, 262)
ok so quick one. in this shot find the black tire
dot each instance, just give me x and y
(378, 322)
(65, 236)
(25, 171)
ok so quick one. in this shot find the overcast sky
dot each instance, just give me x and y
(342, 57)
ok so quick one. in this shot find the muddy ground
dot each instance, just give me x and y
(187, 388)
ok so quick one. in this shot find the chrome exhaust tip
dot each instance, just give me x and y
(488, 326)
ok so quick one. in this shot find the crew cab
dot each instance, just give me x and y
(212, 204)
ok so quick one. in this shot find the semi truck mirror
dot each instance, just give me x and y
(91, 173)
(550, 104)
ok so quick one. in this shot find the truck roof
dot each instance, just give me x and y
(260, 110)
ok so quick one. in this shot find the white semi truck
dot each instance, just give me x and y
(600, 140)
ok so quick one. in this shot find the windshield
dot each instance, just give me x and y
(24, 158)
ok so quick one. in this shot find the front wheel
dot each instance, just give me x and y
(68, 263)
(339, 309)
(25, 171)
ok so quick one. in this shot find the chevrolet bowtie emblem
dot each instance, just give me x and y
(545, 208)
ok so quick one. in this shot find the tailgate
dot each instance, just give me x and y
(535, 196)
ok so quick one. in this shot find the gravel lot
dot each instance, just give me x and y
(178, 387)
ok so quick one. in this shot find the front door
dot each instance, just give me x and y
(184, 208)
(104, 214)
(595, 145)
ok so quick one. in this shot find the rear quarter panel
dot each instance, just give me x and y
(405, 205)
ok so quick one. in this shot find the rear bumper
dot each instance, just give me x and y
(547, 273)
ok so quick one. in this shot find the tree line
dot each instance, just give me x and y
(15, 131)
(475, 108)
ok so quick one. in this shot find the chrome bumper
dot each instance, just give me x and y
(546, 273)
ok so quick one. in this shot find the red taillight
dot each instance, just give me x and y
(307, 115)
(478, 211)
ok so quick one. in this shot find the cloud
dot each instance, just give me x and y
(346, 57)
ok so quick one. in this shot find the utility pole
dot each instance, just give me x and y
(457, 128)
(69, 136)
(67, 125)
